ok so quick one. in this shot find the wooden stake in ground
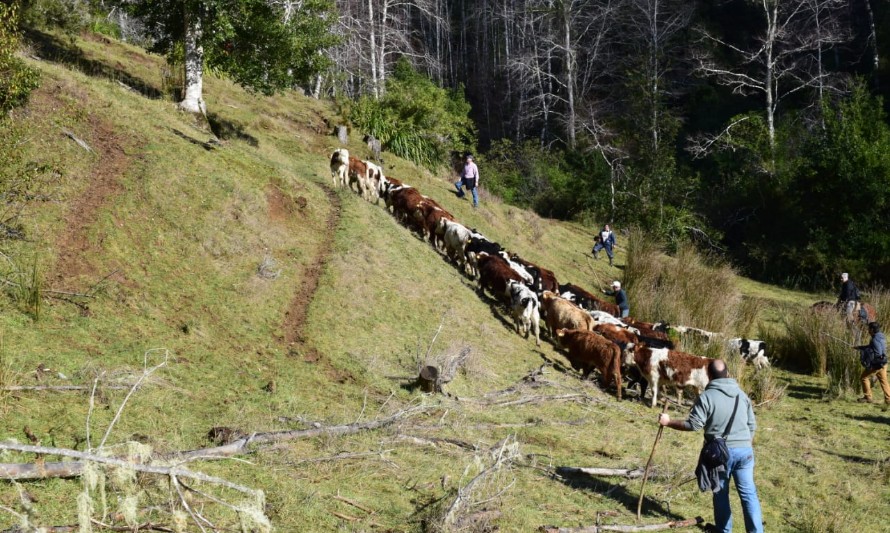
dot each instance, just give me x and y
(649, 463)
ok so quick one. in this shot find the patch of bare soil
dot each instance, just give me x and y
(73, 244)
(295, 317)
(281, 205)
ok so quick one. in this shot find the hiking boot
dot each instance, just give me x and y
(864, 400)
(595, 256)
(610, 261)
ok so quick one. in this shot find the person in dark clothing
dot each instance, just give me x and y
(873, 357)
(712, 411)
(605, 240)
(620, 298)
(848, 299)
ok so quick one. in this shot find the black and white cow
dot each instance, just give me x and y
(751, 351)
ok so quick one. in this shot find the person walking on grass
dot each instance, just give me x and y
(848, 299)
(724, 410)
(469, 178)
(620, 297)
(605, 240)
(873, 357)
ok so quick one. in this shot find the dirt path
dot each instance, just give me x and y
(295, 317)
(73, 245)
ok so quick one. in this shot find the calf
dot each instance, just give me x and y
(494, 274)
(375, 177)
(697, 333)
(587, 351)
(751, 351)
(586, 300)
(626, 339)
(358, 175)
(526, 310)
(476, 245)
(340, 167)
(403, 201)
(456, 237)
(561, 313)
(678, 368)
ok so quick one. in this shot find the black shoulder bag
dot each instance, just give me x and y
(715, 452)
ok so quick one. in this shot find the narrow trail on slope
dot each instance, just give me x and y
(295, 317)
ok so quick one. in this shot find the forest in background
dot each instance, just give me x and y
(756, 129)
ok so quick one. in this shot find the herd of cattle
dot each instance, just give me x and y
(585, 325)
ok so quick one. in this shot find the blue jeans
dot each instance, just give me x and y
(741, 467)
(599, 246)
(460, 192)
(625, 313)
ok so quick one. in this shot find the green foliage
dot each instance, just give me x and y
(17, 80)
(248, 40)
(70, 16)
(415, 119)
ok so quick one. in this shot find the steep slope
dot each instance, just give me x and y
(286, 304)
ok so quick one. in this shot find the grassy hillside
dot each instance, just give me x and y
(285, 304)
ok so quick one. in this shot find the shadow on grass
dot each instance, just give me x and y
(805, 392)
(229, 129)
(875, 419)
(618, 493)
(51, 48)
(192, 140)
(855, 458)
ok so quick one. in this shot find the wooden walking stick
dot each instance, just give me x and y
(649, 463)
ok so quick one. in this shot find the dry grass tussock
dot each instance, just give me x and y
(689, 289)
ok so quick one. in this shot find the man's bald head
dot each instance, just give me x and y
(717, 369)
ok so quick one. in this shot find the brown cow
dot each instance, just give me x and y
(587, 351)
(654, 335)
(404, 201)
(494, 275)
(678, 368)
(358, 174)
(561, 313)
(428, 217)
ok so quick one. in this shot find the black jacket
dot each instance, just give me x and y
(849, 291)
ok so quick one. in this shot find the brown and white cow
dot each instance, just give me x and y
(526, 310)
(588, 350)
(561, 313)
(456, 237)
(358, 175)
(375, 178)
(544, 280)
(653, 334)
(340, 167)
(494, 274)
(663, 365)
(404, 200)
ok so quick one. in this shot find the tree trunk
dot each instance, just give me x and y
(570, 77)
(873, 37)
(193, 92)
(373, 38)
(428, 380)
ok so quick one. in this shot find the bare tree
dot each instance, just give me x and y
(780, 62)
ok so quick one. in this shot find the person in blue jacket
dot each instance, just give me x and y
(605, 241)
(620, 298)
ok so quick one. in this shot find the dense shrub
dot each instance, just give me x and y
(17, 80)
(415, 119)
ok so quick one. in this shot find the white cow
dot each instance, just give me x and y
(526, 310)
(456, 237)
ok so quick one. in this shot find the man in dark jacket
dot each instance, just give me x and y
(873, 357)
(848, 299)
(620, 298)
(712, 411)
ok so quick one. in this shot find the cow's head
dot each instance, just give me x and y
(627, 353)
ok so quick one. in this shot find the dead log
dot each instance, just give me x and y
(57, 388)
(428, 380)
(673, 524)
(80, 142)
(27, 471)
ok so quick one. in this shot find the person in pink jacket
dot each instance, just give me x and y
(469, 178)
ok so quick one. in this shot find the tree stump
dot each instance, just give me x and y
(342, 135)
(428, 380)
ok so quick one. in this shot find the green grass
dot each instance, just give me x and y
(184, 231)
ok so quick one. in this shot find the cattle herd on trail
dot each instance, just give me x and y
(584, 325)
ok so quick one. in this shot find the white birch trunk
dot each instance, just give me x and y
(193, 92)
(373, 38)
(570, 77)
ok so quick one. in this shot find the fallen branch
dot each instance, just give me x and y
(148, 526)
(175, 471)
(341, 456)
(577, 397)
(354, 504)
(673, 524)
(57, 388)
(503, 453)
(439, 440)
(80, 142)
(26, 471)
